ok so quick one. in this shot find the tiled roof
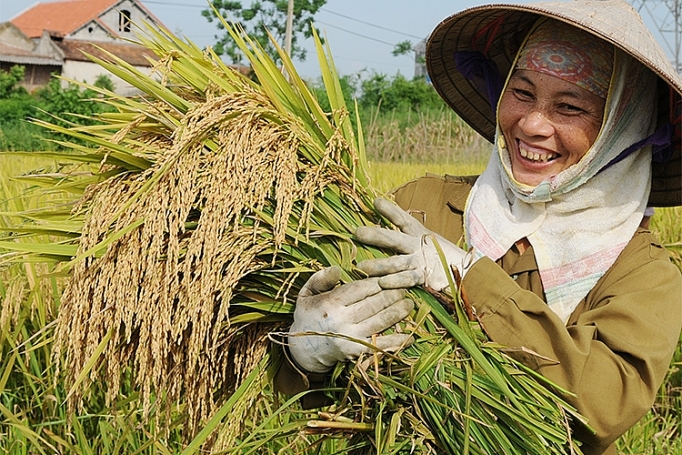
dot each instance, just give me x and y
(12, 54)
(60, 18)
(135, 55)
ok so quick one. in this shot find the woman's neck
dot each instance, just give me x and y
(522, 245)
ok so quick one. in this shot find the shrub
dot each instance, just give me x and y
(68, 102)
(71, 104)
(9, 82)
(398, 93)
(17, 107)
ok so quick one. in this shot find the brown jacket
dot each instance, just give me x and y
(615, 349)
(613, 353)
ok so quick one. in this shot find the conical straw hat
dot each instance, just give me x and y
(499, 30)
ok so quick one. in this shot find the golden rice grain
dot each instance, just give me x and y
(164, 290)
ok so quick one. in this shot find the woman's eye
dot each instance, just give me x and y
(522, 94)
(571, 108)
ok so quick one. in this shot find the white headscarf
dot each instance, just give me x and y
(579, 220)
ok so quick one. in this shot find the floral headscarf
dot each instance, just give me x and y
(570, 54)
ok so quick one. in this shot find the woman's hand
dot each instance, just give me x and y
(356, 310)
(416, 245)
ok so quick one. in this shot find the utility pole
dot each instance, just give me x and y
(288, 33)
(289, 28)
(667, 16)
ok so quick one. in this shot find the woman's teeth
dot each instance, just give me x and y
(537, 156)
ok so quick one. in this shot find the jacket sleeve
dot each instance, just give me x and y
(614, 352)
(437, 202)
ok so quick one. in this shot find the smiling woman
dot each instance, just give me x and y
(553, 106)
(558, 267)
(548, 124)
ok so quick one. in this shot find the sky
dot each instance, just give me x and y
(361, 33)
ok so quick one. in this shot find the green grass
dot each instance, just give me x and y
(34, 421)
(19, 135)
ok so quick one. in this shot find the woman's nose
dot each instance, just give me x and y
(536, 123)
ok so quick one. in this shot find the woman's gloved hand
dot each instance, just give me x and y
(355, 310)
(415, 244)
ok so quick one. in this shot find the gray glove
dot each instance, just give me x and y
(419, 257)
(356, 310)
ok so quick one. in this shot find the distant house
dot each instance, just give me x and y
(40, 57)
(54, 37)
(420, 60)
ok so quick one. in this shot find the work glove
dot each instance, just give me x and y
(355, 310)
(416, 245)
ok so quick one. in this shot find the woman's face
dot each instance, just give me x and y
(548, 124)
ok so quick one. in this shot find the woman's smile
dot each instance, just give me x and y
(535, 155)
(548, 124)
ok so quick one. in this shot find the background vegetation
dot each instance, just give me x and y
(408, 132)
(62, 101)
(260, 18)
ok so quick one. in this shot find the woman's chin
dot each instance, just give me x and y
(529, 179)
(533, 173)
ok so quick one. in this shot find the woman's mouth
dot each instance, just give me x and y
(538, 157)
(531, 164)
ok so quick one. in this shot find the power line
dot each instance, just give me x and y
(356, 34)
(186, 5)
(669, 25)
(370, 24)
(165, 3)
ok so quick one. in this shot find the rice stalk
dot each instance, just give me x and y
(215, 199)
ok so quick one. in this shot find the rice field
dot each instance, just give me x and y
(66, 387)
(33, 395)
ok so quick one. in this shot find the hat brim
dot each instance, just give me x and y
(499, 30)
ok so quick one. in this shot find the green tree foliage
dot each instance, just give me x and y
(15, 102)
(68, 101)
(18, 107)
(386, 93)
(398, 93)
(349, 87)
(402, 48)
(259, 18)
(105, 82)
(9, 82)
(406, 48)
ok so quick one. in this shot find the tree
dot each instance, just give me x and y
(406, 48)
(10, 80)
(398, 93)
(259, 18)
(402, 48)
(105, 82)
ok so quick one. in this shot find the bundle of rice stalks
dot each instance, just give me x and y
(214, 200)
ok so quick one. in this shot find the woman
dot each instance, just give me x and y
(558, 263)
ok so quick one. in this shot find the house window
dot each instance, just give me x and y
(124, 21)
